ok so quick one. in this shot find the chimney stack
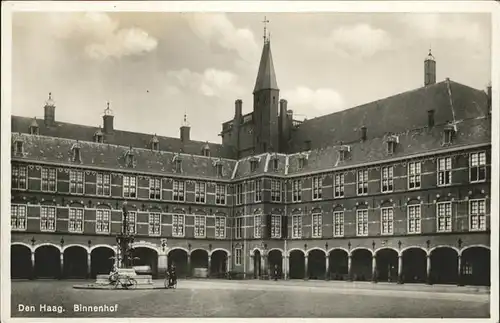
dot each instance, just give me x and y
(488, 92)
(430, 118)
(238, 109)
(49, 112)
(429, 70)
(363, 133)
(107, 120)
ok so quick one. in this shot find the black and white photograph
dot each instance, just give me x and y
(250, 160)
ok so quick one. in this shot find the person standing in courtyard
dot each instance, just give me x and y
(276, 273)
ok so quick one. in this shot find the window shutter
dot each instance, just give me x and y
(284, 227)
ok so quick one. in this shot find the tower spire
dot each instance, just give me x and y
(265, 21)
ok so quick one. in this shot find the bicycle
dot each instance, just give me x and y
(167, 281)
(124, 281)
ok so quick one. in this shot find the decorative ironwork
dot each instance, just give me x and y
(33, 241)
(62, 241)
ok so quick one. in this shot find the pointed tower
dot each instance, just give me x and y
(430, 70)
(265, 103)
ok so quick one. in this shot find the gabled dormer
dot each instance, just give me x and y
(154, 144)
(205, 151)
(303, 160)
(130, 158)
(218, 167)
(344, 152)
(76, 153)
(274, 162)
(449, 133)
(177, 161)
(99, 136)
(18, 148)
(392, 141)
(34, 128)
(254, 163)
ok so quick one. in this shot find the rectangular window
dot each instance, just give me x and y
(200, 222)
(275, 190)
(238, 228)
(220, 227)
(477, 215)
(339, 185)
(316, 187)
(444, 217)
(103, 183)
(276, 226)
(129, 186)
(76, 182)
(338, 224)
(258, 190)
(178, 191)
(132, 221)
(239, 194)
(414, 175)
(387, 220)
(297, 226)
(296, 190)
(75, 220)
(155, 188)
(220, 194)
(19, 177)
(257, 226)
(387, 179)
(47, 218)
(363, 182)
(48, 180)
(477, 167)
(200, 189)
(362, 222)
(238, 256)
(102, 218)
(317, 225)
(414, 219)
(18, 217)
(444, 171)
(178, 225)
(154, 224)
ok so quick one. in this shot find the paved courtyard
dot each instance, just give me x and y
(202, 298)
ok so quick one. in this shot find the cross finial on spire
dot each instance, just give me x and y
(50, 95)
(265, 28)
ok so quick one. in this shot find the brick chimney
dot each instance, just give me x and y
(108, 120)
(49, 112)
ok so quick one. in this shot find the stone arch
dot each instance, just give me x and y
(275, 262)
(476, 265)
(278, 249)
(30, 247)
(387, 264)
(316, 263)
(102, 258)
(337, 248)
(474, 246)
(431, 250)
(414, 264)
(444, 264)
(338, 258)
(102, 246)
(146, 255)
(58, 247)
(219, 262)
(47, 261)
(315, 248)
(295, 249)
(361, 266)
(252, 251)
(178, 256)
(386, 248)
(220, 249)
(136, 245)
(75, 245)
(75, 261)
(199, 260)
(177, 248)
(297, 263)
(20, 261)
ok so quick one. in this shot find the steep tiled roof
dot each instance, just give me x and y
(58, 150)
(266, 77)
(243, 169)
(119, 137)
(423, 140)
(449, 100)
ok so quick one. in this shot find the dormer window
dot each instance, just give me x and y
(155, 143)
(302, 161)
(344, 152)
(449, 134)
(206, 150)
(274, 163)
(18, 147)
(76, 153)
(177, 163)
(130, 158)
(254, 163)
(392, 142)
(99, 136)
(34, 128)
(218, 167)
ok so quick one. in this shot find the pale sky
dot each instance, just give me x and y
(154, 66)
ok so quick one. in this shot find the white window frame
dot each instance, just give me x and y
(338, 224)
(257, 226)
(317, 225)
(73, 219)
(18, 178)
(200, 226)
(297, 226)
(238, 252)
(238, 227)
(258, 191)
(317, 188)
(365, 230)
(178, 190)
(446, 171)
(387, 179)
(416, 219)
(47, 180)
(439, 216)
(276, 190)
(200, 192)
(132, 224)
(102, 184)
(220, 227)
(16, 218)
(178, 225)
(387, 225)
(363, 181)
(48, 218)
(154, 222)
(220, 194)
(76, 182)
(414, 170)
(481, 217)
(129, 189)
(476, 164)
(99, 223)
(155, 188)
(338, 185)
(296, 190)
(276, 226)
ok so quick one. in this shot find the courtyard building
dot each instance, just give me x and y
(393, 190)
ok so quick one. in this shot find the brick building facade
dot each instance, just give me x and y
(396, 189)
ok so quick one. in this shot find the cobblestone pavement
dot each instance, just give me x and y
(313, 299)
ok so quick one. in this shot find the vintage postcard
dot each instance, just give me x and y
(249, 160)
